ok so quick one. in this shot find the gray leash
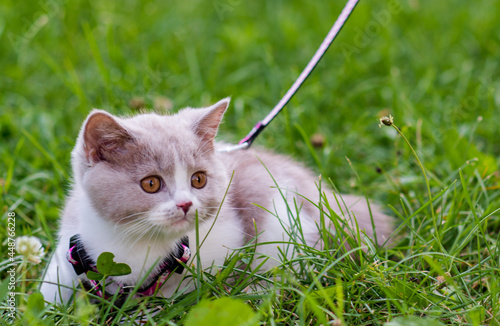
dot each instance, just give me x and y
(256, 130)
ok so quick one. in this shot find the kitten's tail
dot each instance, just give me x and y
(367, 217)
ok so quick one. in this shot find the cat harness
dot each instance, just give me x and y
(82, 263)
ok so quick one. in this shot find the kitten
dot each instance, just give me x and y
(139, 183)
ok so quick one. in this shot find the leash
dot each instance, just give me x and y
(246, 142)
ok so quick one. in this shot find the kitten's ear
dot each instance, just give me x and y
(206, 127)
(103, 137)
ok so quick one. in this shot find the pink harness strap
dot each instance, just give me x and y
(151, 290)
(82, 263)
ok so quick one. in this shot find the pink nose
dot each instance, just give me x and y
(185, 206)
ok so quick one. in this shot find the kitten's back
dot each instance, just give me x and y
(257, 173)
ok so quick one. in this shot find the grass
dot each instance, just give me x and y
(432, 65)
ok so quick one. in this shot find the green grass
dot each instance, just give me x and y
(433, 65)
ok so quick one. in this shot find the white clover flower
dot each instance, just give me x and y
(30, 248)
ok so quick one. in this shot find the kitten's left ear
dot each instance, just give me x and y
(206, 127)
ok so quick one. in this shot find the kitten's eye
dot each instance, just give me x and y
(199, 180)
(151, 184)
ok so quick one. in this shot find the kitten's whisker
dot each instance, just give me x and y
(232, 208)
(128, 223)
(154, 236)
(132, 215)
(136, 231)
(129, 226)
(144, 230)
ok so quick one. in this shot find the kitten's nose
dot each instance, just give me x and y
(185, 206)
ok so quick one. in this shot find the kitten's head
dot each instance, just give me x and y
(150, 174)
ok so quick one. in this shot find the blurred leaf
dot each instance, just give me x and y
(35, 308)
(476, 315)
(458, 150)
(36, 303)
(4, 289)
(222, 312)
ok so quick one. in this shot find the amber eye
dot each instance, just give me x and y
(199, 180)
(151, 184)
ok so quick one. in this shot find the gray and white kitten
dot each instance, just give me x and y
(139, 182)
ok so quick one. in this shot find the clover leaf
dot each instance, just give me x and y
(106, 266)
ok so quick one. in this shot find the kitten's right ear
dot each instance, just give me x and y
(103, 137)
(207, 125)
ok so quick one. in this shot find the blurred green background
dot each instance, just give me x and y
(433, 65)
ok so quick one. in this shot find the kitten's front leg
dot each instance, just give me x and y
(60, 279)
